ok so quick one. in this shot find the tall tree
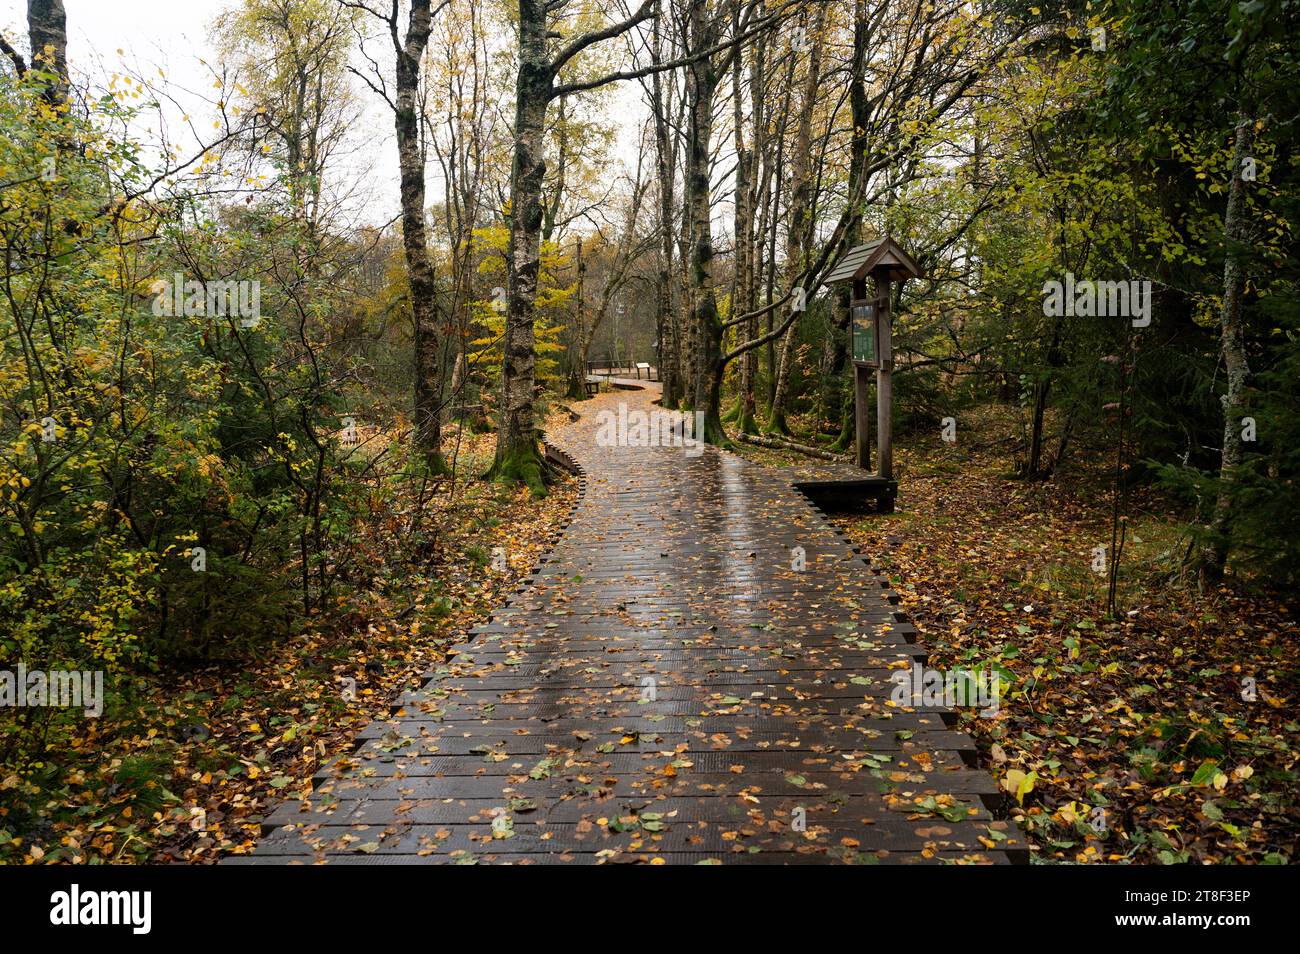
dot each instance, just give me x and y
(543, 53)
(800, 226)
(408, 51)
(664, 107)
(466, 138)
(47, 34)
(47, 27)
(292, 58)
(703, 29)
(709, 54)
(1232, 343)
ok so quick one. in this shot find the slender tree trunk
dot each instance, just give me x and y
(1033, 468)
(419, 269)
(703, 84)
(670, 341)
(517, 455)
(775, 206)
(690, 331)
(743, 230)
(1042, 394)
(759, 260)
(836, 355)
(577, 389)
(1214, 555)
(459, 371)
(798, 233)
(459, 318)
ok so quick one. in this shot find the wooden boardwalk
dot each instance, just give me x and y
(668, 688)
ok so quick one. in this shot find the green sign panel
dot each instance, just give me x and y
(864, 332)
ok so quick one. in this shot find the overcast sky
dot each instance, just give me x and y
(172, 35)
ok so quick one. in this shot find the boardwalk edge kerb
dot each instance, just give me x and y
(908, 628)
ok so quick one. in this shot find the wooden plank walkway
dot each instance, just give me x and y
(668, 688)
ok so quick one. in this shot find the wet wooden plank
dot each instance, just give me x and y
(700, 671)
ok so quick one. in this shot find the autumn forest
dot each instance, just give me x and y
(649, 431)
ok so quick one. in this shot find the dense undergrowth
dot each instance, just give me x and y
(187, 758)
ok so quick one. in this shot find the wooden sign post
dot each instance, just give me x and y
(871, 335)
(885, 381)
(863, 328)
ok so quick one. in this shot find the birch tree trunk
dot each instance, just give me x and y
(799, 233)
(756, 199)
(703, 84)
(580, 340)
(47, 29)
(743, 231)
(836, 355)
(517, 455)
(419, 269)
(1214, 555)
(670, 336)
